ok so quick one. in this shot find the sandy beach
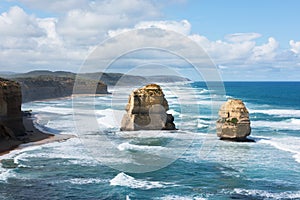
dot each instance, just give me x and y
(33, 137)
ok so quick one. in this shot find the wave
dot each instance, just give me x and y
(5, 174)
(125, 180)
(173, 112)
(142, 148)
(265, 194)
(177, 197)
(55, 110)
(177, 135)
(290, 124)
(110, 118)
(85, 181)
(288, 144)
(278, 112)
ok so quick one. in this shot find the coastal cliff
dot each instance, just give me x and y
(146, 110)
(11, 121)
(15, 127)
(234, 122)
(47, 87)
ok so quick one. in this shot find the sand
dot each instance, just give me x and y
(33, 137)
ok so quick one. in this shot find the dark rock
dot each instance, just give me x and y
(11, 121)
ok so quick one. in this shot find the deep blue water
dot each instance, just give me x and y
(207, 169)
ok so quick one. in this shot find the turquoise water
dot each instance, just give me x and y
(191, 163)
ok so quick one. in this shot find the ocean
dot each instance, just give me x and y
(191, 163)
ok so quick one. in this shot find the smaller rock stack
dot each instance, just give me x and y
(233, 123)
(146, 110)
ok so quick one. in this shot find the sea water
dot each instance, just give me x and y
(199, 166)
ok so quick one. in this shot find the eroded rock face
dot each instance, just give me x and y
(233, 123)
(11, 121)
(48, 87)
(146, 110)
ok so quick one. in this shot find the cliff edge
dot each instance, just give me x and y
(49, 87)
(11, 121)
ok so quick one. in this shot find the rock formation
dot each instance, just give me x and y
(11, 121)
(47, 87)
(233, 123)
(146, 110)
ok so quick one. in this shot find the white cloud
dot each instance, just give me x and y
(182, 27)
(89, 26)
(224, 52)
(265, 52)
(295, 46)
(242, 37)
(55, 5)
(64, 40)
(16, 23)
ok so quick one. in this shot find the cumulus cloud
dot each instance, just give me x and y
(89, 26)
(182, 27)
(223, 52)
(16, 23)
(265, 52)
(295, 46)
(64, 40)
(55, 5)
(241, 37)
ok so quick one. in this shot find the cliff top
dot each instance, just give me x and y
(5, 82)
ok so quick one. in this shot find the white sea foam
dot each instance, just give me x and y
(55, 110)
(290, 124)
(125, 180)
(182, 135)
(173, 112)
(278, 112)
(110, 118)
(158, 150)
(268, 195)
(203, 123)
(177, 197)
(5, 174)
(84, 181)
(289, 144)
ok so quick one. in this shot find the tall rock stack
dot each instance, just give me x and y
(146, 110)
(233, 123)
(11, 121)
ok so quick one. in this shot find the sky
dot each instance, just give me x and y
(246, 40)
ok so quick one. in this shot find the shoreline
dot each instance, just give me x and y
(33, 137)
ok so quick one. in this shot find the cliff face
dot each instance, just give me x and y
(146, 110)
(47, 87)
(233, 123)
(11, 121)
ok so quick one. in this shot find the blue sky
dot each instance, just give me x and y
(216, 18)
(247, 40)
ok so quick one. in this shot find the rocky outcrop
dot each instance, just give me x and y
(146, 110)
(11, 121)
(48, 87)
(233, 123)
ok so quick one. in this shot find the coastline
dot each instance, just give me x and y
(33, 137)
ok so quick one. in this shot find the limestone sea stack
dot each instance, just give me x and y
(146, 110)
(233, 123)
